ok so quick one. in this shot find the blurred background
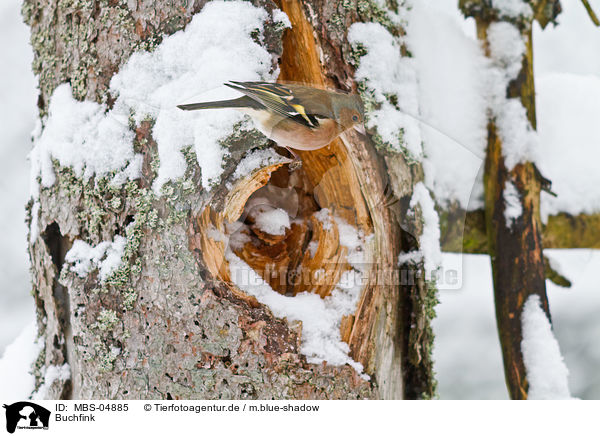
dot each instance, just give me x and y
(18, 95)
(467, 351)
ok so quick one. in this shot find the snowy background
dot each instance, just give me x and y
(17, 117)
(567, 69)
(449, 65)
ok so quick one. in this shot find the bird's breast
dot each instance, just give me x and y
(289, 133)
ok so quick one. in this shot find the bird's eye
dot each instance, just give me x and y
(355, 118)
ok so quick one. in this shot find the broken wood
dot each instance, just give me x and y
(515, 247)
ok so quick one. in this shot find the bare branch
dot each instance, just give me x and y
(591, 12)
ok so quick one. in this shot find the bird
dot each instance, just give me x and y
(296, 117)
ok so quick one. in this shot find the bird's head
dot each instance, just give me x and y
(349, 111)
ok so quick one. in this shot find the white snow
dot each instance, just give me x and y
(386, 74)
(52, 374)
(568, 108)
(519, 140)
(273, 221)
(215, 47)
(453, 76)
(450, 66)
(513, 208)
(324, 216)
(429, 240)
(79, 135)
(17, 118)
(320, 317)
(570, 46)
(354, 241)
(191, 65)
(16, 380)
(467, 357)
(512, 8)
(106, 257)
(506, 48)
(410, 257)
(257, 159)
(280, 17)
(547, 373)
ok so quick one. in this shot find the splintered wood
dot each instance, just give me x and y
(307, 256)
(336, 184)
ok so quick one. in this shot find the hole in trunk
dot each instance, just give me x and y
(58, 245)
(303, 231)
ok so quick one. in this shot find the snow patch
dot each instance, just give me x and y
(547, 373)
(79, 135)
(429, 241)
(507, 47)
(324, 216)
(410, 257)
(321, 317)
(16, 380)
(52, 374)
(258, 159)
(389, 77)
(281, 17)
(273, 222)
(106, 257)
(513, 208)
(519, 139)
(512, 8)
(34, 230)
(191, 65)
(217, 45)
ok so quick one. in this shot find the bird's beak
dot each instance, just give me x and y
(360, 128)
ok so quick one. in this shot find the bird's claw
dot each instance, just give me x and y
(294, 165)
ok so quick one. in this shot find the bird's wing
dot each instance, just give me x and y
(281, 99)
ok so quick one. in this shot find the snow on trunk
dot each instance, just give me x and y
(546, 370)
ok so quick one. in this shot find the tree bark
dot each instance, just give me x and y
(515, 247)
(172, 324)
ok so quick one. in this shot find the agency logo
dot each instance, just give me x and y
(26, 415)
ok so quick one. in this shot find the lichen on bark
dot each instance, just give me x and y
(159, 326)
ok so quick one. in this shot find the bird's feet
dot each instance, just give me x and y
(296, 164)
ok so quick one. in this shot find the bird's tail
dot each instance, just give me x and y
(235, 103)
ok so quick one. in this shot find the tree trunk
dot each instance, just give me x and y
(171, 322)
(513, 239)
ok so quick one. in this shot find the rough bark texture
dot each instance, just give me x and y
(515, 249)
(170, 324)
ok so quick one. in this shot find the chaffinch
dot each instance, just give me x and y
(294, 116)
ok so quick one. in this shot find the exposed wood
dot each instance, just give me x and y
(390, 332)
(347, 178)
(515, 247)
(351, 179)
(173, 324)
